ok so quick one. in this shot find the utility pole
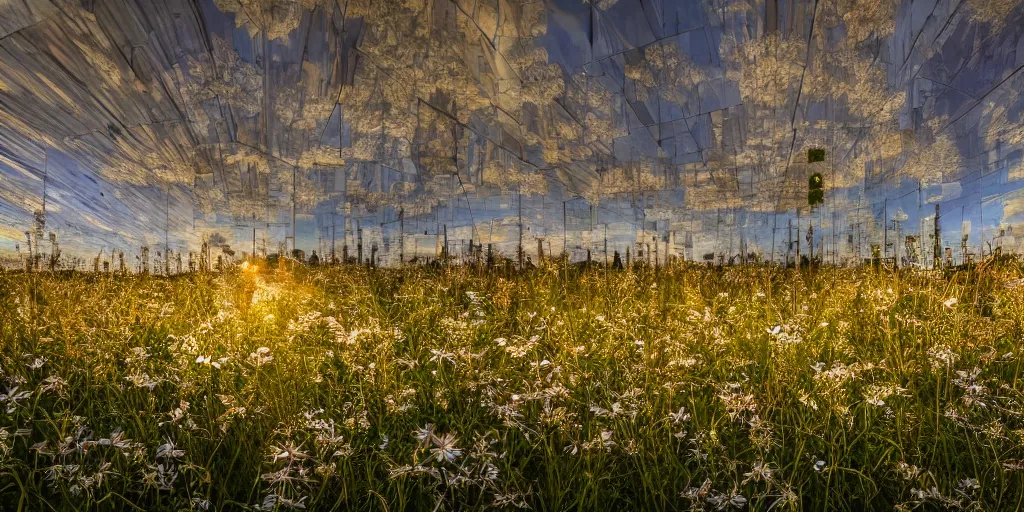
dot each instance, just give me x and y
(981, 217)
(743, 242)
(656, 238)
(789, 240)
(30, 262)
(718, 231)
(359, 244)
(920, 228)
(294, 173)
(167, 229)
(821, 223)
(937, 239)
(490, 238)
(810, 238)
(564, 234)
(735, 226)
(401, 236)
(896, 244)
(885, 228)
(346, 223)
(590, 242)
(606, 245)
(963, 239)
(859, 231)
(320, 240)
(519, 251)
(797, 237)
(41, 222)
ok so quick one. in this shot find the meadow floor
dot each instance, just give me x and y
(456, 389)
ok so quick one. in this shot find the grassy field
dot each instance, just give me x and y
(454, 389)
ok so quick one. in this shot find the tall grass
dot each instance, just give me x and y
(455, 389)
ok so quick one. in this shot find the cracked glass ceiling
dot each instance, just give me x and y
(672, 127)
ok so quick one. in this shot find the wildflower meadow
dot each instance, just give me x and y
(350, 388)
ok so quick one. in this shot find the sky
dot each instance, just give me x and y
(671, 128)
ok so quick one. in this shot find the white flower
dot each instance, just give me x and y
(287, 452)
(679, 417)
(261, 356)
(425, 434)
(275, 502)
(967, 485)
(761, 472)
(445, 449)
(169, 451)
(208, 361)
(738, 501)
(950, 302)
(907, 471)
(141, 380)
(439, 356)
(941, 356)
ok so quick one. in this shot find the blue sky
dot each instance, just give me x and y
(162, 124)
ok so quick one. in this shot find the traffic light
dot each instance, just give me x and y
(815, 194)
